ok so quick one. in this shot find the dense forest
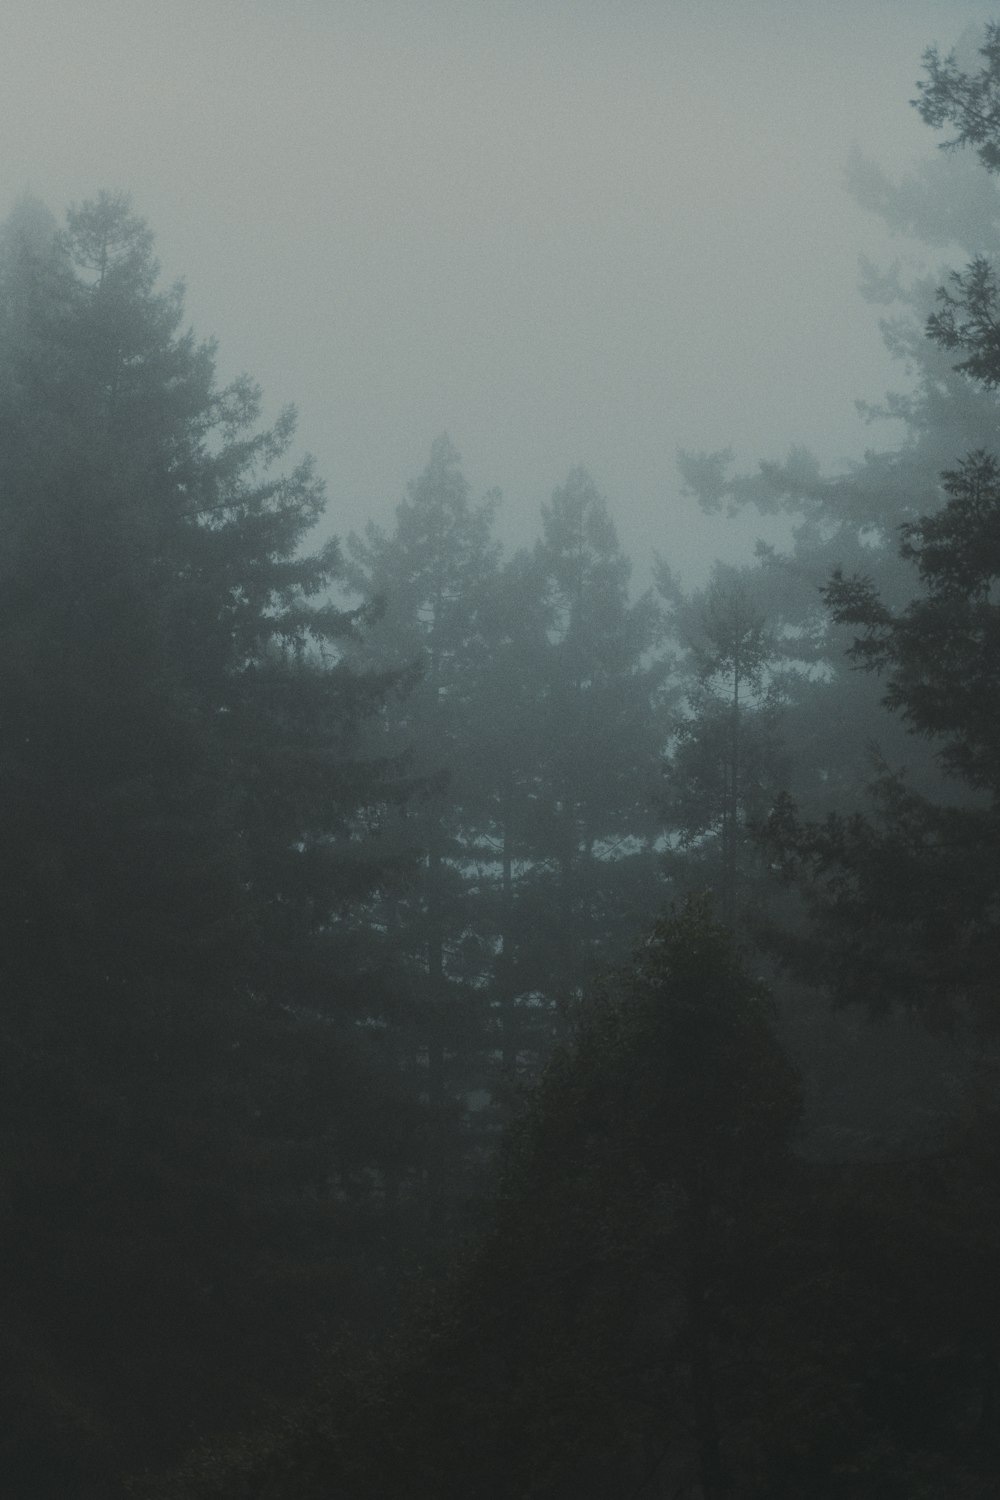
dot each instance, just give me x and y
(471, 1030)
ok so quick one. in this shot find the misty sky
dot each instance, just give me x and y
(563, 231)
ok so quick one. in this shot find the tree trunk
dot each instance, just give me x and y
(505, 966)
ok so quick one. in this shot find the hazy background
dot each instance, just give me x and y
(565, 231)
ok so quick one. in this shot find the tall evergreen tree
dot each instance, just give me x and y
(540, 700)
(725, 764)
(915, 884)
(850, 519)
(184, 815)
(430, 579)
(906, 899)
(602, 701)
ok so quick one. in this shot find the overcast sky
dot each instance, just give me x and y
(563, 231)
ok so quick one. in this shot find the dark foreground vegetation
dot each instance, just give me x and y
(368, 1130)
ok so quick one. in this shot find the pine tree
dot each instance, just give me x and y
(914, 885)
(903, 900)
(601, 703)
(185, 817)
(431, 579)
(725, 764)
(835, 727)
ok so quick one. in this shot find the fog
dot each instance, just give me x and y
(570, 233)
(471, 1026)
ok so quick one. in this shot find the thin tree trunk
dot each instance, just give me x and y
(730, 842)
(505, 967)
(436, 1160)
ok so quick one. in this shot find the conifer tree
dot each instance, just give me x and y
(602, 703)
(724, 765)
(905, 898)
(430, 580)
(184, 815)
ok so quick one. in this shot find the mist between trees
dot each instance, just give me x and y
(469, 1030)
